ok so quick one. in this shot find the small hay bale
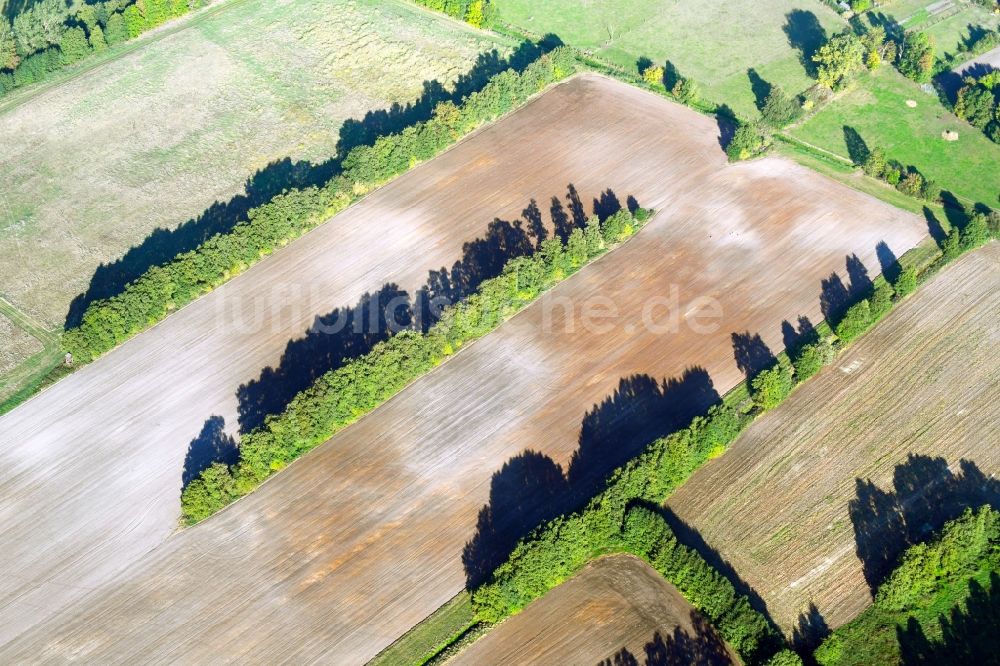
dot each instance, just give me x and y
(949, 135)
(912, 103)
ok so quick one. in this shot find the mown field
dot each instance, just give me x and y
(875, 107)
(151, 140)
(714, 42)
(813, 503)
(364, 537)
(617, 608)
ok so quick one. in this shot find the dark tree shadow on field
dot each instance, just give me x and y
(671, 75)
(954, 210)
(969, 632)
(934, 227)
(888, 262)
(397, 117)
(606, 205)
(836, 297)
(347, 332)
(759, 87)
(725, 118)
(640, 410)
(341, 334)
(925, 494)
(164, 245)
(810, 629)
(528, 490)
(702, 646)
(689, 536)
(642, 63)
(484, 258)
(751, 353)
(793, 339)
(212, 445)
(857, 149)
(805, 35)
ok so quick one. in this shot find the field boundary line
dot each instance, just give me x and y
(27, 323)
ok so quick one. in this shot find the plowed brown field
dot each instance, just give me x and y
(615, 608)
(913, 408)
(342, 552)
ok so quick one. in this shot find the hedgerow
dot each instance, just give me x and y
(341, 396)
(940, 602)
(148, 299)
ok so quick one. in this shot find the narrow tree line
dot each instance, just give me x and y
(343, 395)
(108, 322)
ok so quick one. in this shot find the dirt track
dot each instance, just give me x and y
(615, 607)
(341, 553)
(925, 382)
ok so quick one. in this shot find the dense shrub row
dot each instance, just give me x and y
(341, 396)
(941, 576)
(52, 34)
(907, 180)
(479, 13)
(611, 522)
(108, 322)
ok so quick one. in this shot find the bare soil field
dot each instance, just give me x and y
(342, 552)
(615, 608)
(152, 140)
(815, 500)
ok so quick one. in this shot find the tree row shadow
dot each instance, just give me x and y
(345, 333)
(701, 646)
(163, 245)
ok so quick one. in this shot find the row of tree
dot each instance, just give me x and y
(147, 300)
(51, 34)
(342, 395)
(555, 551)
(907, 180)
(479, 13)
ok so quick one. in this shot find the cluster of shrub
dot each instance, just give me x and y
(847, 53)
(50, 34)
(931, 576)
(556, 550)
(143, 302)
(479, 13)
(342, 395)
(976, 103)
(907, 180)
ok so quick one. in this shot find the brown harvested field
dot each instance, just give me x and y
(925, 383)
(342, 552)
(617, 607)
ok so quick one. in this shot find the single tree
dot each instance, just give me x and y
(779, 108)
(839, 59)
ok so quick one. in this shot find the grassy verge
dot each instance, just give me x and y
(37, 371)
(433, 635)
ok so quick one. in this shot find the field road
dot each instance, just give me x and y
(342, 552)
(816, 500)
(616, 607)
